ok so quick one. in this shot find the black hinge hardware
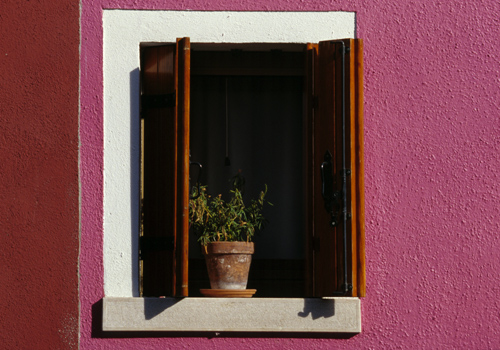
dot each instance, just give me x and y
(158, 101)
(344, 50)
(345, 214)
(345, 289)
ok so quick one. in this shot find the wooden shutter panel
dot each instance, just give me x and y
(335, 88)
(165, 75)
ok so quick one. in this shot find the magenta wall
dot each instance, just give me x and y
(432, 174)
(39, 189)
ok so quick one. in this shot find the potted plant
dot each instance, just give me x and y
(225, 230)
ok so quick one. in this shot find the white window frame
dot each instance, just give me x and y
(123, 32)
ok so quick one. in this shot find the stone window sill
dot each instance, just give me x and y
(318, 315)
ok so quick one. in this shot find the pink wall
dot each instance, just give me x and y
(432, 174)
(39, 189)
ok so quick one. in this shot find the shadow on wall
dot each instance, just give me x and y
(318, 308)
(155, 306)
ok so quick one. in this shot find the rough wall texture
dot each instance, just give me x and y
(39, 190)
(432, 174)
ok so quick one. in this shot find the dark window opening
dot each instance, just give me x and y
(247, 114)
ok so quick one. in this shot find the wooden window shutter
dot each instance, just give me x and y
(334, 103)
(164, 243)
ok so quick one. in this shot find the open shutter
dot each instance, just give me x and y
(165, 75)
(335, 193)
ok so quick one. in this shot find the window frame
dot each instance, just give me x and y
(123, 31)
(335, 253)
(121, 95)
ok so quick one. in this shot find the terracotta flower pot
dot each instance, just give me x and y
(228, 264)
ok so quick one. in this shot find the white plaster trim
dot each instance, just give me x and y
(124, 30)
(331, 315)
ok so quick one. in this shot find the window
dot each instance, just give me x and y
(329, 90)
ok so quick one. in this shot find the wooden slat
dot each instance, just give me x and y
(308, 127)
(360, 185)
(351, 161)
(183, 102)
(354, 127)
(338, 166)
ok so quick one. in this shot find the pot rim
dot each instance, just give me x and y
(228, 248)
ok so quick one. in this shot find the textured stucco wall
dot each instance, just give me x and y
(39, 217)
(432, 189)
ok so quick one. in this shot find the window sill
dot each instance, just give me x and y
(327, 315)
